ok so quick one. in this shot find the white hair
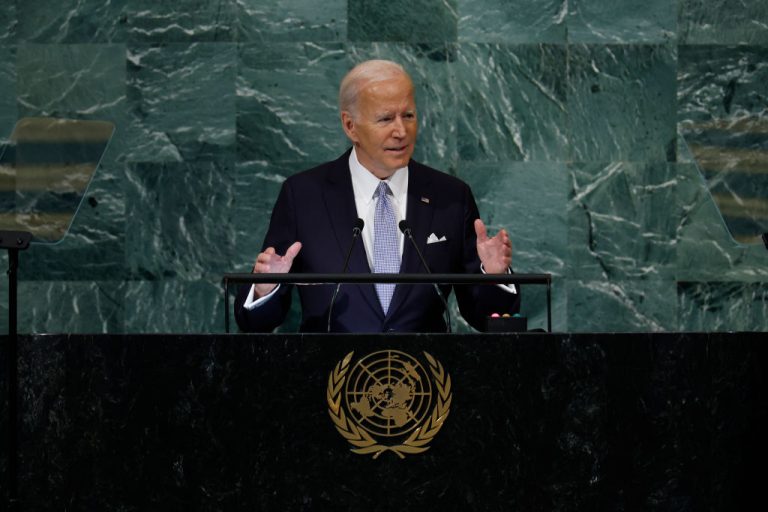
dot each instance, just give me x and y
(366, 73)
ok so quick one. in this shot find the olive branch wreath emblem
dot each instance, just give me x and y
(365, 443)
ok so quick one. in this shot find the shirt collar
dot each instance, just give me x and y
(365, 183)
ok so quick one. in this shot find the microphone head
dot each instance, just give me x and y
(358, 228)
(403, 225)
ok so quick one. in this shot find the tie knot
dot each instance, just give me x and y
(382, 190)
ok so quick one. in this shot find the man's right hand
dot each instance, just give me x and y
(269, 262)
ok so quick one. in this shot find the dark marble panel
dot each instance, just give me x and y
(181, 100)
(512, 102)
(615, 230)
(739, 406)
(414, 21)
(723, 306)
(4, 423)
(187, 21)
(72, 21)
(621, 102)
(181, 220)
(723, 22)
(512, 21)
(606, 21)
(291, 20)
(585, 422)
(623, 306)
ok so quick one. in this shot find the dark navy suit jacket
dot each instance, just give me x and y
(317, 208)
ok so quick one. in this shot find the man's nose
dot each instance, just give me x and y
(399, 127)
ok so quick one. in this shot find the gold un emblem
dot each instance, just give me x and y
(387, 401)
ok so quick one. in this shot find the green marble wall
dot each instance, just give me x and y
(578, 123)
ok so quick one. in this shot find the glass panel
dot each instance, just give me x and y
(732, 156)
(45, 170)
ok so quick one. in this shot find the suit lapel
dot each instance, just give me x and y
(419, 213)
(340, 204)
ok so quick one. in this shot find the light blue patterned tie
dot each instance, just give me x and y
(386, 249)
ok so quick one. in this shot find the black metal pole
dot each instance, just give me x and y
(13, 242)
(13, 452)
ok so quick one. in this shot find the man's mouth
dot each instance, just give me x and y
(398, 149)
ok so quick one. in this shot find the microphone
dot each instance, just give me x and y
(355, 235)
(403, 225)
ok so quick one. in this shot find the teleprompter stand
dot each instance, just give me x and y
(13, 242)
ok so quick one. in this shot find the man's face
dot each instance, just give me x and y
(384, 130)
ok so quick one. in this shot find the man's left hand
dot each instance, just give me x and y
(495, 252)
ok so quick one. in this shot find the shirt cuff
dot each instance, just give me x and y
(509, 288)
(251, 303)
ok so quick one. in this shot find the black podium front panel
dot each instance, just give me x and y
(503, 422)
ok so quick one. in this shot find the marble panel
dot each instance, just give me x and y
(291, 20)
(181, 21)
(287, 102)
(9, 23)
(72, 21)
(8, 107)
(512, 21)
(623, 220)
(512, 102)
(724, 123)
(722, 22)
(621, 306)
(621, 102)
(86, 81)
(410, 21)
(612, 22)
(181, 100)
(526, 199)
(71, 306)
(174, 305)
(181, 220)
(723, 306)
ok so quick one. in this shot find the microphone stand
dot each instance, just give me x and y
(407, 232)
(355, 235)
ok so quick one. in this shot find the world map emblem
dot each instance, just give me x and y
(389, 401)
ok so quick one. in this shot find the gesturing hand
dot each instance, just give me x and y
(496, 252)
(269, 262)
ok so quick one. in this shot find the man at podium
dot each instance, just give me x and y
(375, 190)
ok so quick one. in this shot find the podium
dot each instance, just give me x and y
(537, 421)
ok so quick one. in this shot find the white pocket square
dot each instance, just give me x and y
(432, 239)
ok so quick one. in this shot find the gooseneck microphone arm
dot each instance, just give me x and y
(355, 235)
(403, 225)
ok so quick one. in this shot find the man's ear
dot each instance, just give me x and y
(348, 123)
